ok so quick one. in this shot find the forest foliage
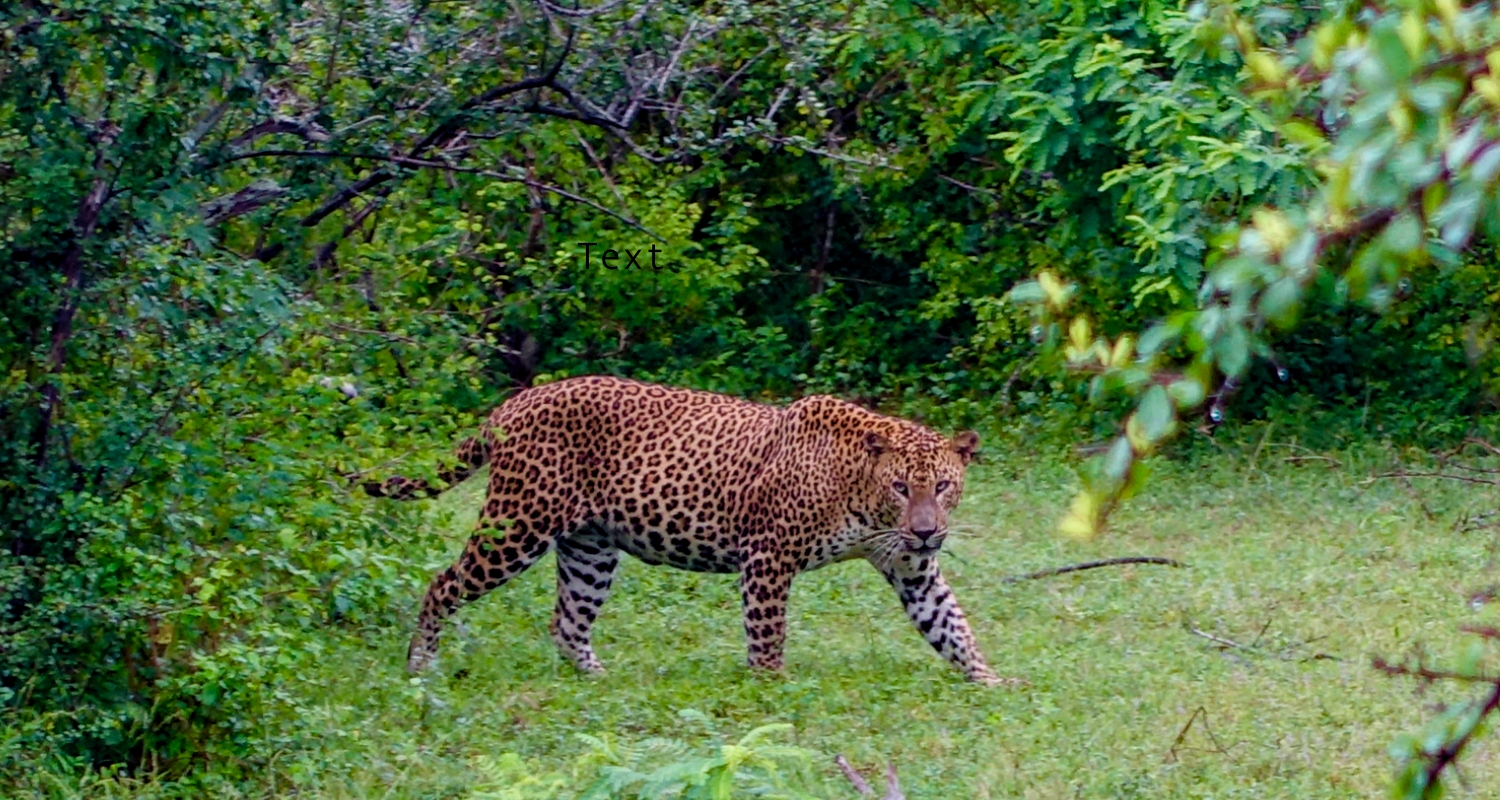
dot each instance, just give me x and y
(256, 250)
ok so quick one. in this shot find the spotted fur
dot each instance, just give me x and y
(593, 467)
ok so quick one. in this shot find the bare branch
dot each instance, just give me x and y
(967, 187)
(563, 113)
(226, 207)
(343, 196)
(422, 163)
(439, 135)
(734, 76)
(581, 12)
(70, 270)
(1427, 674)
(305, 129)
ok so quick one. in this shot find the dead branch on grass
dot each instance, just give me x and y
(1442, 475)
(892, 785)
(1333, 463)
(1182, 736)
(1108, 562)
(1285, 654)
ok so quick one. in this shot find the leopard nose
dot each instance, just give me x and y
(929, 537)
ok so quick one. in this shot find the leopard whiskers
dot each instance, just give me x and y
(884, 546)
(884, 555)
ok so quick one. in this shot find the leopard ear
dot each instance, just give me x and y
(876, 444)
(965, 444)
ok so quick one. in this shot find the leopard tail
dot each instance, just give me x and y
(472, 453)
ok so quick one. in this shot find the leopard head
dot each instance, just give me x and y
(917, 482)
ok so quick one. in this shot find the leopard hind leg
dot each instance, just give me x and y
(586, 563)
(489, 560)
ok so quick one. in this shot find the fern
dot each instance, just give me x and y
(509, 777)
(750, 766)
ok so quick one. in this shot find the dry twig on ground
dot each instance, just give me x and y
(1108, 562)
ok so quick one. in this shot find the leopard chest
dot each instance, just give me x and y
(854, 537)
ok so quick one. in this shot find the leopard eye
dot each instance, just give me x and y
(900, 487)
(943, 486)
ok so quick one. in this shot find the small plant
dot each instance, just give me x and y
(510, 777)
(659, 768)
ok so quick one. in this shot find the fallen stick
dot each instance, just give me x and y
(1250, 648)
(1221, 640)
(1463, 478)
(1332, 462)
(892, 785)
(860, 784)
(1108, 562)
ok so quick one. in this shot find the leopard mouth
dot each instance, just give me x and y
(927, 548)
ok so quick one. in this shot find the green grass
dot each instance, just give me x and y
(1302, 559)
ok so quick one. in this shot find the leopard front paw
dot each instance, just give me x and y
(987, 677)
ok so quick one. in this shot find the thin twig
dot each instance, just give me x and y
(1261, 632)
(1108, 562)
(1220, 640)
(1005, 398)
(1484, 444)
(892, 784)
(965, 186)
(1182, 735)
(423, 163)
(860, 784)
(1403, 474)
(1482, 631)
(1284, 655)
(1333, 463)
(1427, 674)
(1447, 755)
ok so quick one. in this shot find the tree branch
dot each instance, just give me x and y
(226, 207)
(422, 163)
(70, 269)
(306, 129)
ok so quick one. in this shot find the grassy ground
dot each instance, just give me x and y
(1319, 570)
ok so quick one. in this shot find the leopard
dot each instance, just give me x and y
(593, 467)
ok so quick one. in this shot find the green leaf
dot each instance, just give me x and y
(1232, 351)
(1187, 393)
(1118, 460)
(1158, 336)
(1027, 293)
(1281, 301)
(1156, 413)
(1387, 47)
(1304, 133)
